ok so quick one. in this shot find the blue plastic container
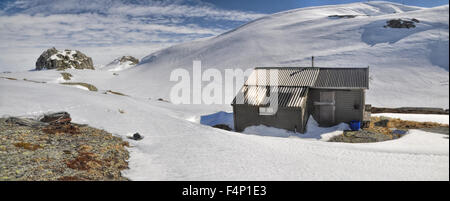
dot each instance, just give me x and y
(355, 125)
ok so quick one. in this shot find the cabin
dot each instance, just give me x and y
(285, 97)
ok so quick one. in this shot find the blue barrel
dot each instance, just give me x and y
(355, 125)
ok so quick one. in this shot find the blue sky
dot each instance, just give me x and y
(106, 29)
(272, 6)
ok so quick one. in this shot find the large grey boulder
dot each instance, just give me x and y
(54, 59)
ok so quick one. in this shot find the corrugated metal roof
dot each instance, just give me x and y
(292, 83)
(310, 77)
(263, 95)
(342, 78)
(283, 77)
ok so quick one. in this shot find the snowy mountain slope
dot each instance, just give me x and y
(175, 148)
(408, 67)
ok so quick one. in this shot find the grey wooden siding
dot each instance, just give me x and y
(285, 118)
(349, 105)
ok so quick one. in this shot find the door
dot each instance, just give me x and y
(327, 108)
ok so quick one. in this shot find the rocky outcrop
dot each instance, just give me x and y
(401, 23)
(121, 63)
(132, 60)
(54, 59)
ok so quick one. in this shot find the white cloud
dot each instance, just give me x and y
(30, 27)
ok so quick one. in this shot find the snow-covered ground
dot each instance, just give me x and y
(178, 144)
(178, 147)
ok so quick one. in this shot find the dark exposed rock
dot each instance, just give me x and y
(25, 122)
(222, 126)
(54, 59)
(382, 123)
(136, 136)
(400, 132)
(58, 117)
(162, 100)
(342, 16)
(401, 23)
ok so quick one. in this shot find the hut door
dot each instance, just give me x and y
(327, 108)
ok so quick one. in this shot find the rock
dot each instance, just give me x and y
(133, 60)
(401, 23)
(162, 100)
(58, 117)
(341, 16)
(25, 122)
(382, 123)
(136, 136)
(121, 63)
(55, 59)
(222, 126)
(399, 132)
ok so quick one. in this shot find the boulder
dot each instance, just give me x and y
(55, 118)
(132, 60)
(25, 122)
(401, 23)
(55, 59)
(136, 136)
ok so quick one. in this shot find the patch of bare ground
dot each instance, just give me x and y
(385, 128)
(115, 93)
(88, 86)
(64, 152)
(66, 76)
(8, 78)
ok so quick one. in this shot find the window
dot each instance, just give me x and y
(266, 111)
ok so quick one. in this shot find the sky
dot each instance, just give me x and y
(107, 29)
(271, 6)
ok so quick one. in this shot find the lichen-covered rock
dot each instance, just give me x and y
(54, 59)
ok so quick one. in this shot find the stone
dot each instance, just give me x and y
(58, 117)
(133, 60)
(136, 136)
(25, 122)
(401, 23)
(382, 123)
(222, 126)
(55, 59)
